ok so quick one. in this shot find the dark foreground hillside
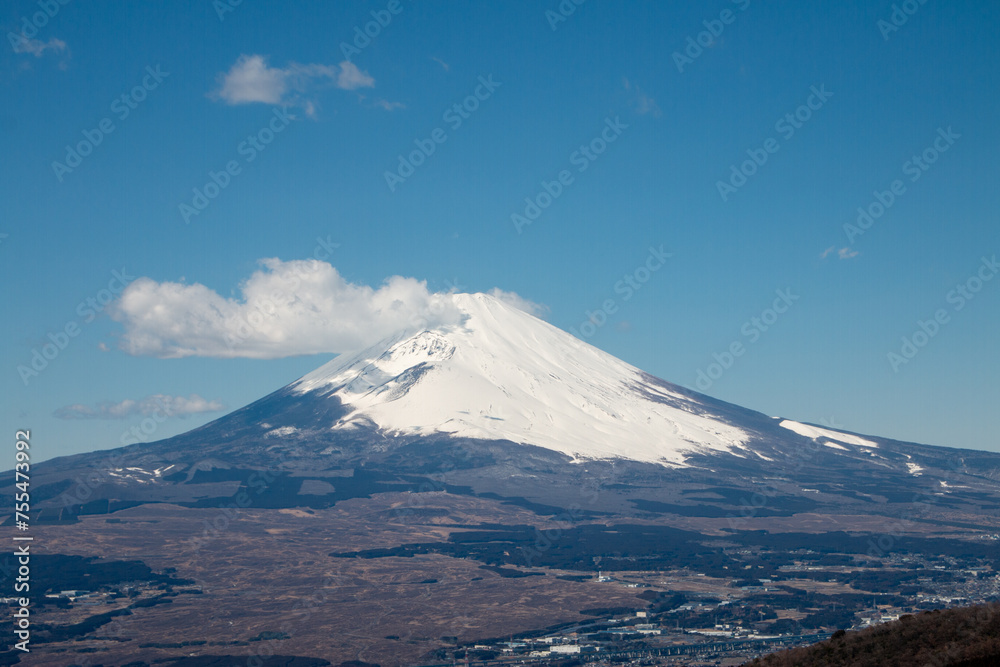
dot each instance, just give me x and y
(963, 637)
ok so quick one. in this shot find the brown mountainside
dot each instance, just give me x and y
(961, 637)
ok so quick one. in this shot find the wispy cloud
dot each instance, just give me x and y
(389, 106)
(351, 77)
(37, 47)
(519, 302)
(157, 404)
(641, 103)
(251, 80)
(842, 253)
(442, 63)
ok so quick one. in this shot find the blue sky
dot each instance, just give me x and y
(645, 126)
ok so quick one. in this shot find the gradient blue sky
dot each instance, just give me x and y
(449, 224)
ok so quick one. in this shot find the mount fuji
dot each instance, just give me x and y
(503, 374)
(505, 404)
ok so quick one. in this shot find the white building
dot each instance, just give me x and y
(565, 649)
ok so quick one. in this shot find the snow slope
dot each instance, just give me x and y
(503, 374)
(815, 432)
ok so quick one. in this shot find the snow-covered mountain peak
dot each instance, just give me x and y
(503, 374)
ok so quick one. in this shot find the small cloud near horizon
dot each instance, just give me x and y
(156, 404)
(842, 253)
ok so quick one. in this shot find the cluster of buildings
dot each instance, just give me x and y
(576, 643)
(71, 595)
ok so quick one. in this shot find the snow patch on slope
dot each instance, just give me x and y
(503, 374)
(816, 432)
(281, 431)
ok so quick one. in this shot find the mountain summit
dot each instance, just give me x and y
(502, 374)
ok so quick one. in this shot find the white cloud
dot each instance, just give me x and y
(37, 47)
(157, 404)
(645, 104)
(351, 77)
(285, 309)
(519, 302)
(389, 106)
(251, 80)
(640, 101)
